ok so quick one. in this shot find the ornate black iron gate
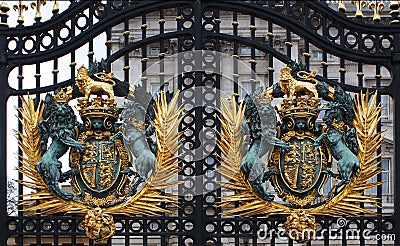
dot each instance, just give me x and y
(198, 25)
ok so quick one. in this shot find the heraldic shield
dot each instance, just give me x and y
(303, 170)
(104, 165)
(305, 148)
(121, 157)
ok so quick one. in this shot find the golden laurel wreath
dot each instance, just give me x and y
(345, 203)
(145, 202)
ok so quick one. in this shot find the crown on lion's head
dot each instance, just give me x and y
(286, 75)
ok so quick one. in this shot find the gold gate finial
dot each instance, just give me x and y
(394, 4)
(342, 6)
(359, 4)
(20, 7)
(56, 7)
(37, 5)
(377, 7)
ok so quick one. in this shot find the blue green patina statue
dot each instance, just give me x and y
(137, 118)
(261, 122)
(300, 146)
(59, 123)
(347, 161)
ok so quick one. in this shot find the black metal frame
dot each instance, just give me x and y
(281, 13)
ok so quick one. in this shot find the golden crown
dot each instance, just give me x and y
(98, 107)
(63, 96)
(340, 126)
(299, 107)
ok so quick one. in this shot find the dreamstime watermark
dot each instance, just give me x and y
(339, 230)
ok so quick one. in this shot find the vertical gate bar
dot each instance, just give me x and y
(3, 141)
(342, 71)
(217, 122)
(73, 64)
(55, 239)
(91, 51)
(161, 56)
(326, 235)
(235, 90)
(126, 55)
(55, 71)
(144, 52)
(360, 76)
(20, 153)
(144, 84)
(394, 88)
(55, 60)
(162, 51)
(273, 232)
(37, 100)
(324, 64)
(253, 53)
(199, 232)
(37, 79)
(253, 71)
(73, 232)
(307, 52)
(270, 55)
(108, 46)
(379, 151)
(254, 235)
(127, 231)
(288, 43)
(181, 127)
(145, 231)
(235, 53)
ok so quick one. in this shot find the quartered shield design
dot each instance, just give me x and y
(100, 165)
(301, 166)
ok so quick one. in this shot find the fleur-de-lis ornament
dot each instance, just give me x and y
(359, 5)
(38, 5)
(377, 7)
(21, 7)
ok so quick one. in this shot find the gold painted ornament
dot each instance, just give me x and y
(300, 162)
(101, 174)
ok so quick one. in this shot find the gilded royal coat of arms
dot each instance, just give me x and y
(305, 150)
(121, 157)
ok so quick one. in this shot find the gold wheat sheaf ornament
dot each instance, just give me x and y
(98, 222)
(345, 203)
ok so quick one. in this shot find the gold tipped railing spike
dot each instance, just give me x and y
(3, 13)
(377, 7)
(359, 5)
(38, 5)
(21, 7)
(394, 4)
(342, 6)
(4, 6)
(56, 7)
